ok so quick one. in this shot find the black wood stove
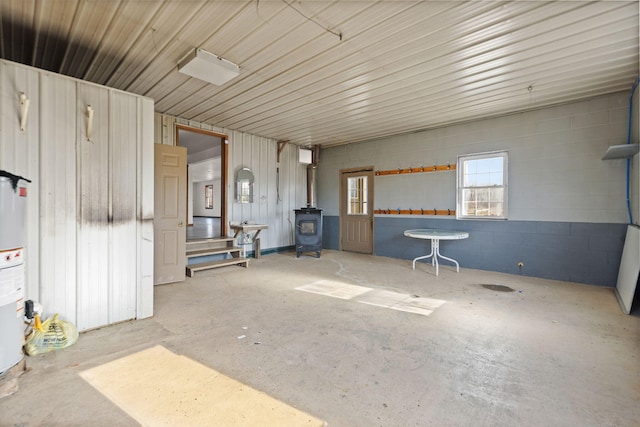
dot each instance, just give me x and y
(308, 230)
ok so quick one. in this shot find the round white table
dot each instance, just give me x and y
(435, 235)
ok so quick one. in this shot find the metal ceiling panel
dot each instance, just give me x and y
(334, 72)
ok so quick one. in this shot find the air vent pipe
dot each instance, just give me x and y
(311, 177)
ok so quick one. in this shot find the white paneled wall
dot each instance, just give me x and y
(556, 171)
(279, 187)
(90, 207)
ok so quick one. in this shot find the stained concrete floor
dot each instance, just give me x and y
(547, 354)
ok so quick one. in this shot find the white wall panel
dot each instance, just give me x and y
(273, 204)
(20, 154)
(93, 202)
(145, 208)
(90, 207)
(123, 160)
(58, 207)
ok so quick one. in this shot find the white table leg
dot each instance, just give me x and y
(434, 255)
(438, 254)
(424, 257)
(435, 248)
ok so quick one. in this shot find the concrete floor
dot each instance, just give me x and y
(548, 354)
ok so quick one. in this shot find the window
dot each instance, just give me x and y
(482, 186)
(357, 196)
(208, 196)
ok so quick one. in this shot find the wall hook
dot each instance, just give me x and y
(24, 111)
(89, 122)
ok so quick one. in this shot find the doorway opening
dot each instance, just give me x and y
(207, 165)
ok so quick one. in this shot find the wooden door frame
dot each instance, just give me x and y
(341, 172)
(224, 168)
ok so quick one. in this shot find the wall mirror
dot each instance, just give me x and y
(244, 186)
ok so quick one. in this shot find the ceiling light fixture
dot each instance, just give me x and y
(208, 67)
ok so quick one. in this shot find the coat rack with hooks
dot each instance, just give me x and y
(398, 211)
(434, 168)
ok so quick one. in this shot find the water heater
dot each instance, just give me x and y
(13, 197)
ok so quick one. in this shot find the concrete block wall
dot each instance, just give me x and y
(567, 207)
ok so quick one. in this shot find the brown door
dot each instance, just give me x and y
(170, 213)
(356, 210)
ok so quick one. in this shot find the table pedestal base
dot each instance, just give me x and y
(434, 255)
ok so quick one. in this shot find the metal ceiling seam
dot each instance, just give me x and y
(74, 22)
(273, 61)
(209, 118)
(539, 45)
(91, 38)
(404, 128)
(118, 40)
(167, 41)
(341, 116)
(243, 35)
(49, 46)
(203, 39)
(349, 127)
(445, 95)
(284, 84)
(109, 28)
(176, 51)
(121, 77)
(35, 23)
(182, 100)
(108, 81)
(140, 77)
(237, 80)
(298, 62)
(429, 107)
(243, 76)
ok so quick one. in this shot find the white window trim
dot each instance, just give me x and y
(459, 175)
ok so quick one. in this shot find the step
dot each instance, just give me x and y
(192, 268)
(234, 251)
(222, 242)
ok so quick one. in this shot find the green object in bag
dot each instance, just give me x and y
(55, 334)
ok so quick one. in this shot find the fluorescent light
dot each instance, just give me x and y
(208, 67)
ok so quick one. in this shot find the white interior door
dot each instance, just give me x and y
(170, 215)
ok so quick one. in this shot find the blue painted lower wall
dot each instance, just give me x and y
(569, 251)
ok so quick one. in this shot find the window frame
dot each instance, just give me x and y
(358, 203)
(208, 196)
(460, 188)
